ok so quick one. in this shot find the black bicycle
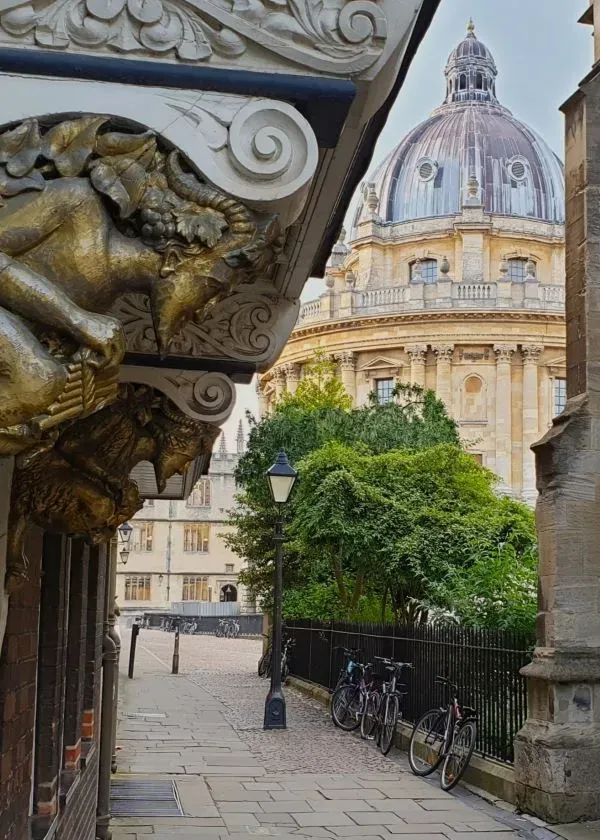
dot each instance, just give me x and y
(382, 709)
(349, 699)
(447, 735)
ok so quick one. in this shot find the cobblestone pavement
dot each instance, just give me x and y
(203, 729)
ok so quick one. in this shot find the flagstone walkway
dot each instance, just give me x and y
(203, 729)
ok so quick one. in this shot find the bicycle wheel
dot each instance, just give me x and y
(459, 755)
(426, 747)
(390, 719)
(263, 662)
(345, 707)
(368, 721)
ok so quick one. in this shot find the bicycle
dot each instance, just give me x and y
(382, 709)
(446, 734)
(189, 627)
(285, 668)
(350, 696)
(351, 657)
(264, 663)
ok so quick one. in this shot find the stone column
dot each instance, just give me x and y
(279, 377)
(443, 379)
(347, 362)
(504, 414)
(417, 354)
(292, 374)
(262, 399)
(557, 752)
(531, 417)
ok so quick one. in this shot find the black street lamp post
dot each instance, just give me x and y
(125, 531)
(281, 477)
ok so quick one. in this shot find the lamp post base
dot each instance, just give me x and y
(275, 717)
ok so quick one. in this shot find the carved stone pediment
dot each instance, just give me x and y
(250, 325)
(341, 37)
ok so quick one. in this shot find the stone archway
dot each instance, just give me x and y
(229, 593)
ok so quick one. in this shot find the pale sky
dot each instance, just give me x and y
(541, 53)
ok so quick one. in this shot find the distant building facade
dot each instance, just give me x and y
(453, 277)
(177, 551)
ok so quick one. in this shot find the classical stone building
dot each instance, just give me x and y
(453, 276)
(176, 549)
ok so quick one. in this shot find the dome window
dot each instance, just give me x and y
(517, 169)
(425, 271)
(518, 269)
(427, 169)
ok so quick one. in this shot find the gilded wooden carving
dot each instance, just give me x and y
(88, 213)
(81, 485)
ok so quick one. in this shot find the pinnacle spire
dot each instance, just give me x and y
(240, 438)
(471, 28)
(222, 446)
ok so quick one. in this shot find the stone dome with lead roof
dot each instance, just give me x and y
(470, 136)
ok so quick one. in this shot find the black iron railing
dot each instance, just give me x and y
(485, 664)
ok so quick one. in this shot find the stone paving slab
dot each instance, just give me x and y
(236, 781)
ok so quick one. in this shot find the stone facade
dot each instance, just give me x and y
(494, 350)
(177, 550)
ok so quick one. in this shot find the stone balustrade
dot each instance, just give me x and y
(434, 296)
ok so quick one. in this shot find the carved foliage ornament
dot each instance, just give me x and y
(101, 213)
(241, 327)
(340, 35)
(81, 486)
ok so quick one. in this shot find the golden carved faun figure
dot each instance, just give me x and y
(81, 486)
(88, 214)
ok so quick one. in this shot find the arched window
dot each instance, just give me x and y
(201, 494)
(425, 270)
(473, 400)
(517, 269)
(463, 81)
(479, 81)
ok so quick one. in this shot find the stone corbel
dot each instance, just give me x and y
(261, 151)
(206, 397)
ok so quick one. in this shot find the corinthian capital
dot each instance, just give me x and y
(347, 360)
(292, 371)
(444, 352)
(504, 352)
(531, 353)
(416, 353)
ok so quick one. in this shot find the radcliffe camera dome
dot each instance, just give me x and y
(470, 150)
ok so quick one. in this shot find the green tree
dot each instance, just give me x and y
(422, 527)
(319, 412)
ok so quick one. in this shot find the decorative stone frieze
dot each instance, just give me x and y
(248, 325)
(344, 37)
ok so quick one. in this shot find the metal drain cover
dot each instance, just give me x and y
(146, 716)
(144, 798)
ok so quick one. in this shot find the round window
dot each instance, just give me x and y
(426, 169)
(517, 170)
